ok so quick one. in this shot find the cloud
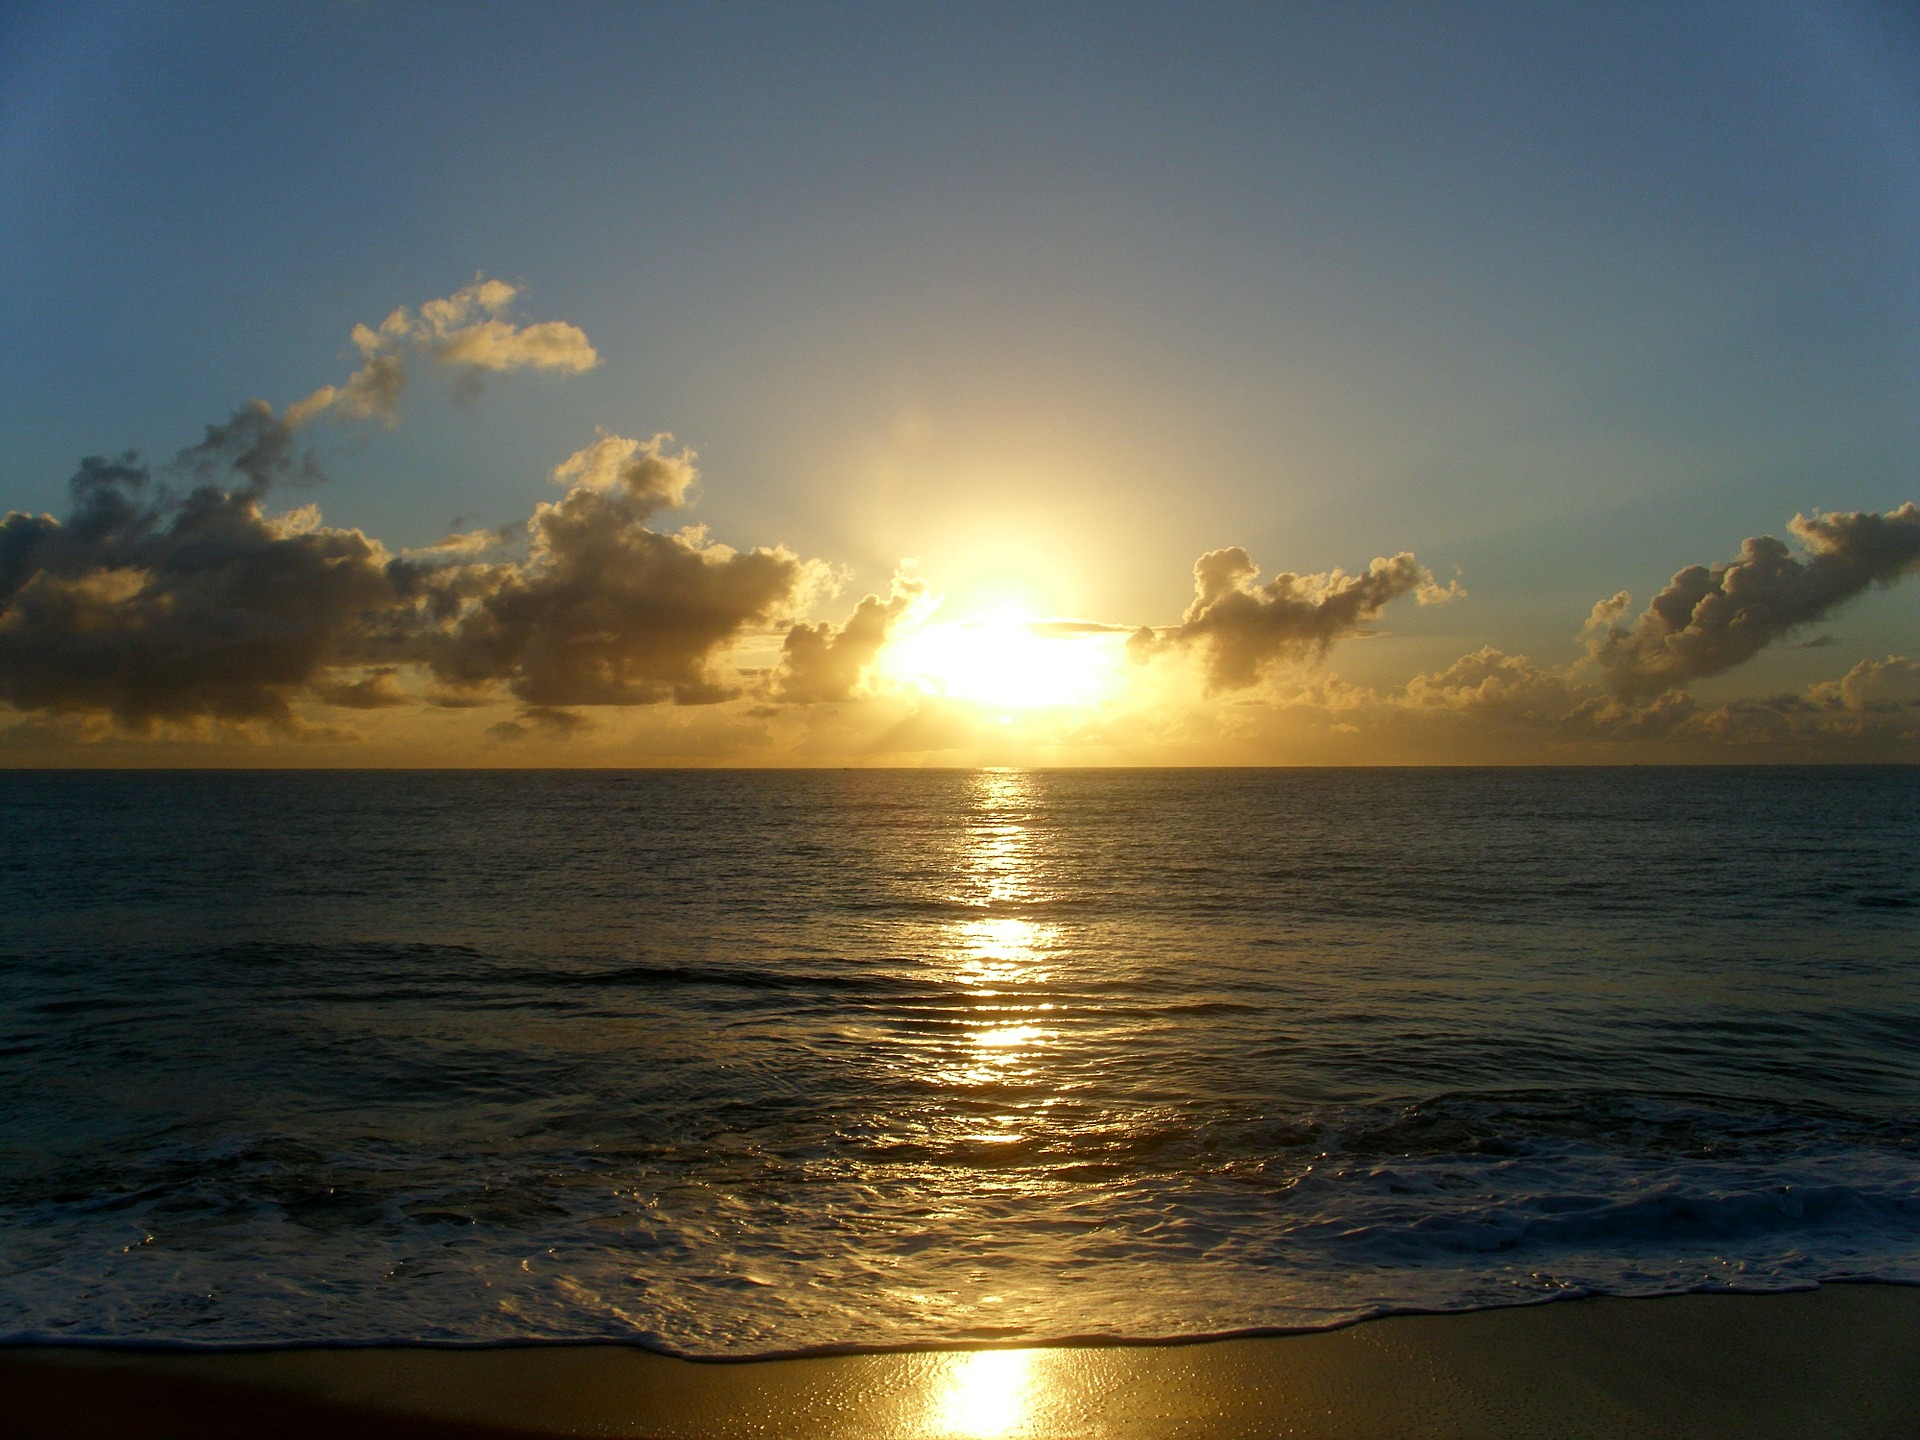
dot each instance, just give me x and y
(464, 331)
(1491, 684)
(151, 606)
(645, 470)
(606, 611)
(1245, 627)
(1876, 705)
(371, 392)
(174, 598)
(555, 723)
(252, 450)
(377, 690)
(1066, 629)
(156, 607)
(820, 663)
(463, 543)
(1489, 707)
(1712, 618)
(1881, 687)
(1509, 695)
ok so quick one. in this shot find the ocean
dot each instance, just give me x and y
(745, 1063)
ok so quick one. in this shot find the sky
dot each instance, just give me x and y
(394, 384)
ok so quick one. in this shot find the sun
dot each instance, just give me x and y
(1008, 660)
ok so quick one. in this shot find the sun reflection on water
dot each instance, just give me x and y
(987, 1054)
(997, 959)
(989, 1394)
(999, 852)
(1007, 1037)
(1001, 950)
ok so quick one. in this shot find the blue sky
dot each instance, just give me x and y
(1560, 298)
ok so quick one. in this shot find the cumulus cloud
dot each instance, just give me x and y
(1492, 684)
(1882, 687)
(605, 610)
(1245, 627)
(149, 604)
(466, 331)
(152, 606)
(175, 597)
(1510, 695)
(647, 472)
(1875, 707)
(822, 663)
(1712, 618)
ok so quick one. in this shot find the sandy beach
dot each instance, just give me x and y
(1843, 1360)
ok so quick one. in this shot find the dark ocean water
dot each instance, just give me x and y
(734, 1063)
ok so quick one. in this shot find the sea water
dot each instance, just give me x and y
(734, 1063)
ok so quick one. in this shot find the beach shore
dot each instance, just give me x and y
(1843, 1360)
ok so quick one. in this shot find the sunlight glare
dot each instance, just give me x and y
(1007, 660)
(988, 1395)
(1007, 1037)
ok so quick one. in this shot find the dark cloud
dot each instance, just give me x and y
(821, 663)
(556, 723)
(252, 450)
(152, 606)
(1244, 627)
(457, 700)
(1874, 687)
(155, 606)
(1510, 695)
(1873, 709)
(377, 690)
(170, 595)
(606, 611)
(177, 598)
(1712, 618)
(1604, 717)
(1492, 685)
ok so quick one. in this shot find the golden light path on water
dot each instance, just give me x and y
(1006, 1034)
(987, 1394)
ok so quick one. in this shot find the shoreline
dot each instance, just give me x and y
(125, 1347)
(1840, 1360)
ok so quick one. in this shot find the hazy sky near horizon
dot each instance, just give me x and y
(1050, 301)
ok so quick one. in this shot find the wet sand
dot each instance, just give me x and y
(1840, 1361)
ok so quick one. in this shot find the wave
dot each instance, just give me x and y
(1588, 1224)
